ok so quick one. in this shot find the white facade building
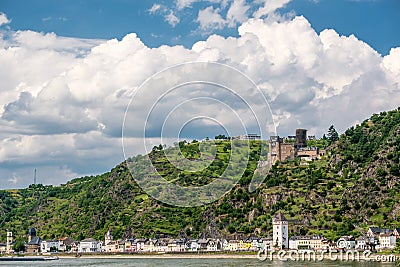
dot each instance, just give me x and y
(280, 234)
(386, 241)
(49, 245)
(90, 245)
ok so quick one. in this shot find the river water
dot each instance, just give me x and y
(195, 262)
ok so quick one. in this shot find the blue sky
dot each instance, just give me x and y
(373, 21)
(68, 70)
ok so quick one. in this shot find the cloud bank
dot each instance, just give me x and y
(62, 100)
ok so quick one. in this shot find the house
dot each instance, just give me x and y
(130, 245)
(33, 242)
(386, 241)
(140, 244)
(280, 231)
(233, 245)
(49, 246)
(180, 244)
(376, 231)
(193, 245)
(65, 244)
(121, 246)
(74, 246)
(3, 248)
(90, 245)
(163, 245)
(362, 243)
(150, 245)
(202, 244)
(373, 231)
(255, 245)
(112, 246)
(346, 242)
(396, 233)
(244, 245)
(265, 243)
(214, 245)
(224, 244)
(316, 242)
(172, 245)
(176, 245)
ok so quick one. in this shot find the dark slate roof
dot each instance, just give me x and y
(32, 232)
(35, 241)
(280, 217)
(397, 230)
(375, 230)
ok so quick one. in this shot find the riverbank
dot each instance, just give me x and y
(164, 256)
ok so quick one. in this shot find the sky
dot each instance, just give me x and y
(69, 70)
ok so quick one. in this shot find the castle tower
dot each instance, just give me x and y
(301, 138)
(31, 234)
(280, 234)
(108, 237)
(9, 242)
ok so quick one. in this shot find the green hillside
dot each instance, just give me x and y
(357, 184)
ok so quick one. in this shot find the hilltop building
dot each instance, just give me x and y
(280, 232)
(249, 137)
(282, 149)
(301, 138)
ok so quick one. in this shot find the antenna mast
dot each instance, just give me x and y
(34, 177)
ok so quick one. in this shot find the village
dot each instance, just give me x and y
(376, 239)
(280, 149)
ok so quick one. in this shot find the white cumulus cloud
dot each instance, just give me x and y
(3, 19)
(63, 99)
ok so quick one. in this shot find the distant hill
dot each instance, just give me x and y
(355, 185)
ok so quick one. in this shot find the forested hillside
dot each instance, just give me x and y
(355, 185)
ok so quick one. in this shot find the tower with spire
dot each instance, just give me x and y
(108, 237)
(9, 242)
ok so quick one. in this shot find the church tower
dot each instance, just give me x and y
(31, 234)
(280, 227)
(108, 237)
(9, 242)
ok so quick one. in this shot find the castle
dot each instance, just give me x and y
(282, 149)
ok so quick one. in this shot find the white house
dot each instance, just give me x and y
(140, 244)
(90, 245)
(3, 248)
(361, 243)
(214, 245)
(346, 242)
(49, 246)
(386, 241)
(266, 243)
(65, 244)
(315, 242)
(193, 245)
(280, 234)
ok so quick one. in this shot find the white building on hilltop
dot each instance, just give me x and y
(280, 234)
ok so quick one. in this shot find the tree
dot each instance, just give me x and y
(19, 246)
(332, 134)
(397, 248)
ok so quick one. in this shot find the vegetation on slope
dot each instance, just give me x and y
(357, 184)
